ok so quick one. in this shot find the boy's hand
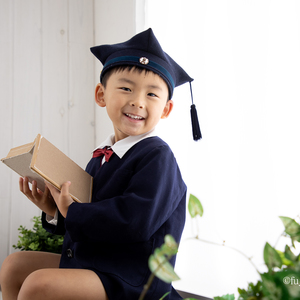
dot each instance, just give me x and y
(62, 198)
(42, 200)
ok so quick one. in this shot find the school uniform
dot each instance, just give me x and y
(138, 197)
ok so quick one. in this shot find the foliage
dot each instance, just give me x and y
(38, 239)
(160, 267)
(225, 297)
(282, 280)
(195, 207)
(292, 229)
(159, 260)
(254, 292)
(283, 277)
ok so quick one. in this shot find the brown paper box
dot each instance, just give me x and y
(41, 161)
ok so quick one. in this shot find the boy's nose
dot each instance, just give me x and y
(137, 105)
(137, 102)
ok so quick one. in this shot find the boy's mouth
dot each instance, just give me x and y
(134, 117)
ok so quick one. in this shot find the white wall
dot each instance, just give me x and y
(47, 81)
(244, 57)
(115, 22)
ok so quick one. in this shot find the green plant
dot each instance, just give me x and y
(160, 267)
(38, 239)
(282, 280)
(159, 261)
(254, 292)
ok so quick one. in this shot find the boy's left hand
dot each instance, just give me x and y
(62, 198)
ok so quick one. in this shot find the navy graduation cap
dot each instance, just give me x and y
(143, 50)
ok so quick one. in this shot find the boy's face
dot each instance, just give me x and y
(135, 102)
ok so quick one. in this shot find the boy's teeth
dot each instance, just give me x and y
(134, 117)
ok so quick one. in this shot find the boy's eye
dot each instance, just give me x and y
(125, 89)
(152, 95)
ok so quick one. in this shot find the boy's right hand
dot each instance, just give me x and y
(42, 200)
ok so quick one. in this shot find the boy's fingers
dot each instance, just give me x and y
(21, 184)
(65, 189)
(51, 188)
(66, 200)
(34, 189)
(26, 189)
(47, 192)
(62, 197)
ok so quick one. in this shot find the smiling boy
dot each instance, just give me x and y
(135, 101)
(138, 194)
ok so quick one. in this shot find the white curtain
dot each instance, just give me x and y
(245, 59)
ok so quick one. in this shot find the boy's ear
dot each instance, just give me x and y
(167, 110)
(99, 95)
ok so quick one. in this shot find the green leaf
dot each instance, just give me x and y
(271, 257)
(271, 289)
(292, 228)
(225, 297)
(289, 254)
(285, 261)
(165, 295)
(34, 246)
(159, 265)
(38, 239)
(170, 247)
(254, 292)
(195, 206)
(289, 280)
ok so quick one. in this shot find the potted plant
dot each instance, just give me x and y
(38, 239)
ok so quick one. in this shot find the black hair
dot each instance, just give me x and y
(121, 68)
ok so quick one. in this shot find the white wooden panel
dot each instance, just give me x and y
(27, 70)
(55, 73)
(114, 22)
(6, 85)
(26, 98)
(47, 85)
(81, 81)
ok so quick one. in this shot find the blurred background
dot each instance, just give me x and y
(244, 58)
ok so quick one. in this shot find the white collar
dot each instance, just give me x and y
(122, 146)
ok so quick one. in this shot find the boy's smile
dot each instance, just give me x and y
(135, 101)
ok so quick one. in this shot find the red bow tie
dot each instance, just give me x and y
(107, 152)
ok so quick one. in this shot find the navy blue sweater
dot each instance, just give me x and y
(136, 201)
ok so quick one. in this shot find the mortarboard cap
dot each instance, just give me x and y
(143, 50)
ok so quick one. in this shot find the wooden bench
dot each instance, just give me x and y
(190, 295)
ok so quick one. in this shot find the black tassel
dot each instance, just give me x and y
(195, 122)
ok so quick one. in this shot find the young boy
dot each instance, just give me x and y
(138, 194)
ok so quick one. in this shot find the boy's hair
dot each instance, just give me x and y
(121, 68)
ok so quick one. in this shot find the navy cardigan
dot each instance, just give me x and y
(136, 201)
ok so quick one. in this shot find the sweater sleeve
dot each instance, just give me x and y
(55, 229)
(154, 191)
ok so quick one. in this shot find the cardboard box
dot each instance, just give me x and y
(41, 160)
